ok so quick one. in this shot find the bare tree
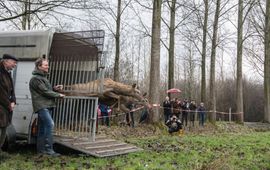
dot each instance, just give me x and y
(190, 67)
(212, 67)
(26, 17)
(117, 42)
(239, 86)
(30, 14)
(39, 6)
(267, 64)
(183, 19)
(171, 44)
(155, 60)
(203, 72)
(240, 41)
(254, 46)
(111, 16)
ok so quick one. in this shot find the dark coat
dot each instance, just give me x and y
(174, 124)
(176, 108)
(103, 108)
(7, 96)
(167, 107)
(192, 107)
(201, 109)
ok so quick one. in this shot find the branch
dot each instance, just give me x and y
(47, 7)
(146, 7)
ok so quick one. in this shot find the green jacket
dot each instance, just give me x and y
(42, 92)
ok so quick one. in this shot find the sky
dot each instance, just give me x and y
(132, 30)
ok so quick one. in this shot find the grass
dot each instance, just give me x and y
(200, 151)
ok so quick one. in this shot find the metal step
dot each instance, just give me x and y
(101, 147)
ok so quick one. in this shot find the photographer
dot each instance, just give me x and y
(174, 124)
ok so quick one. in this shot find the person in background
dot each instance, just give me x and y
(202, 112)
(7, 95)
(130, 115)
(174, 124)
(192, 108)
(98, 118)
(167, 106)
(104, 114)
(176, 107)
(185, 108)
(43, 101)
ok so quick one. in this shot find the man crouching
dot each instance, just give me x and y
(174, 124)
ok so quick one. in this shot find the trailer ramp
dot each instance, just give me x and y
(75, 120)
(101, 147)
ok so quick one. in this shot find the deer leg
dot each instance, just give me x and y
(111, 94)
(124, 108)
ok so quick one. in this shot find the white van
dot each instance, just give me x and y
(75, 57)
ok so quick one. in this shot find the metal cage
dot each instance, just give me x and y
(75, 58)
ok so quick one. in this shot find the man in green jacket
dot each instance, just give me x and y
(43, 101)
(7, 95)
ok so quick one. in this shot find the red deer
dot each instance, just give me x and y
(113, 93)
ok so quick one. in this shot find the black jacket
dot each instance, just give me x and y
(167, 107)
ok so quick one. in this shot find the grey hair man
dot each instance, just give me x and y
(7, 95)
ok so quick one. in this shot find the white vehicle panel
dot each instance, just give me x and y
(23, 110)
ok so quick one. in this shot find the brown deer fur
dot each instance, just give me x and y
(113, 94)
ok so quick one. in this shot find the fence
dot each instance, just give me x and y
(220, 116)
(76, 117)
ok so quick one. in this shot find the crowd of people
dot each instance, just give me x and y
(184, 110)
(177, 114)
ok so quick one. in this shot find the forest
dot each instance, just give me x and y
(215, 52)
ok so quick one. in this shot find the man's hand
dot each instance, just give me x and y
(12, 106)
(62, 95)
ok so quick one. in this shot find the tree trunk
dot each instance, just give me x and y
(26, 20)
(267, 64)
(171, 46)
(24, 17)
(116, 75)
(203, 74)
(155, 60)
(213, 67)
(190, 72)
(239, 88)
(28, 15)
